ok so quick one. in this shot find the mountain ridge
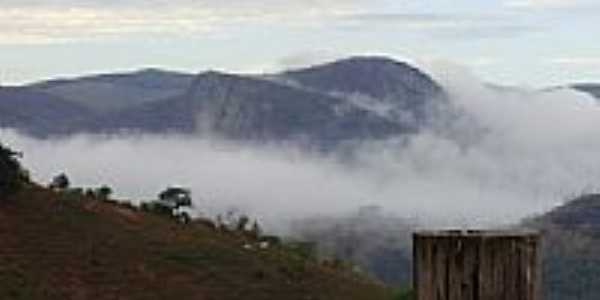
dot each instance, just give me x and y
(105, 93)
(589, 88)
(248, 108)
(251, 106)
(31, 111)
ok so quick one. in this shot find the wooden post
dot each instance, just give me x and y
(476, 265)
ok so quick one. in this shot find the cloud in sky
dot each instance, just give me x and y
(576, 61)
(250, 35)
(549, 3)
(48, 25)
(43, 22)
(453, 26)
(157, 4)
(31, 22)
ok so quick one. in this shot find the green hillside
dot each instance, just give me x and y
(56, 246)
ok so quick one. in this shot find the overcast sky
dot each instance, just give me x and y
(522, 42)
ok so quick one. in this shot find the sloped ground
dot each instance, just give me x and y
(571, 262)
(57, 248)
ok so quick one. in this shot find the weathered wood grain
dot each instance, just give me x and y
(476, 265)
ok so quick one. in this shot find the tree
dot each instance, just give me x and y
(170, 201)
(256, 231)
(176, 197)
(90, 193)
(184, 218)
(242, 223)
(60, 182)
(104, 192)
(12, 176)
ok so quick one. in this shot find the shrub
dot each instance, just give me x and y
(146, 207)
(271, 239)
(90, 193)
(242, 223)
(60, 182)
(256, 230)
(158, 208)
(127, 205)
(110, 201)
(208, 223)
(12, 176)
(76, 191)
(103, 192)
(184, 218)
(305, 250)
(404, 294)
(73, 193)
(176, 196)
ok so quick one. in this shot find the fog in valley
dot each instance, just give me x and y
(508, 154)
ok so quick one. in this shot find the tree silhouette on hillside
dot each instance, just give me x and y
(12, 176)
(60, 182)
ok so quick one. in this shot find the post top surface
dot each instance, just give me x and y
(477, 233)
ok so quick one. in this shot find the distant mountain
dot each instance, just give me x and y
(253, 109)
(590, 88)
(381, 84)
(114, 92)
(581, 214)
(378, 77)
(33, 112)
(352, 99)
(571, 260)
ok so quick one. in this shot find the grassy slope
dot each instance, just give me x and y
(86, 249)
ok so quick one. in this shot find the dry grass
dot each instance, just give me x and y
(77, 248)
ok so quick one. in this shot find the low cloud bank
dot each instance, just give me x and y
(509, 154)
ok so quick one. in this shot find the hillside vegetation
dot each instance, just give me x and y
(571, 261)
(61, 246)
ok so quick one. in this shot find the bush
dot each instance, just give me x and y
(128, 205)
(110, 201)
(184, 218)
(74, 193)
(256, 230)
(90, 193)
(104, 192)
(242, 223)
(12, 176)
(176, 196)
(60, 182)
(146, 207)
(156, 207)
(271, 239)
(404, 294)
(208, 223)
(305, 250)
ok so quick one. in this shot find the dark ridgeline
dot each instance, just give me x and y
(476, 265)
(590, 88)
(355, 99)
